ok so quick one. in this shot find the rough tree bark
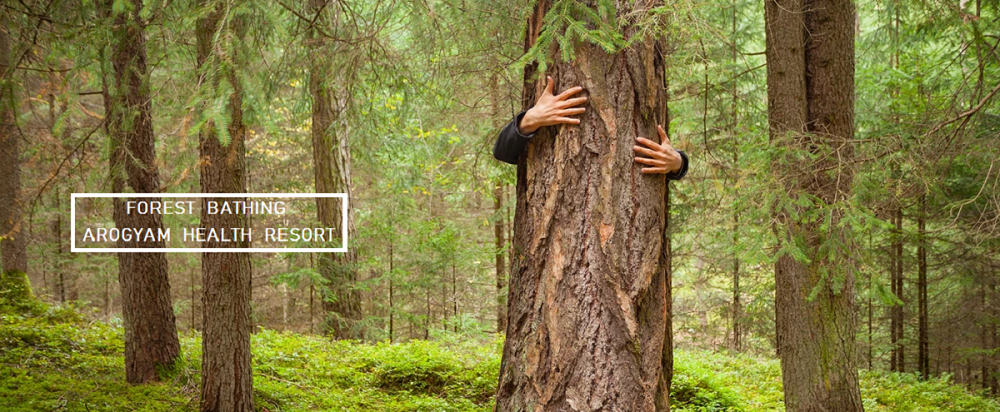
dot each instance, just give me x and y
(331, 165)
(13, 257)
(150, 327)
(589, 305)
(226, 378)
(810, 86)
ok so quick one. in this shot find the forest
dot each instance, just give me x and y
(832, 243)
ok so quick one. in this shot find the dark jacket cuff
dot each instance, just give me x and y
(679, 174)
(511, 142)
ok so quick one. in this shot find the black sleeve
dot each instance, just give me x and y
(679, 174)
(511, 142)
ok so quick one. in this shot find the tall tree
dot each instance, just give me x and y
(150, 328)
(226, 378)
(331, 163)
(589, 309)
(810, 87)
(897, 313)
(13, 257)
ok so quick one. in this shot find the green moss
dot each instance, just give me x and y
(50, 359)
(16, 295)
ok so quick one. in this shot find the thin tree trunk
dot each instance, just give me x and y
(13, 256)
(226, 378)
(898, 351)
(923, 352)
(392, 308)
(501, 257)
(815, 313)
(150, 327)
(454, 295)
(992, 348)
(898, 363)
(192, 280)
(734, 123)
(589, 289)
(312, 296)
(430, 316)
(58, 263)
(984, 360)
(331, 162)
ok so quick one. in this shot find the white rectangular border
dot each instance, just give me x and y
(72, 220)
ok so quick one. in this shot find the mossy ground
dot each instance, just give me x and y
(51, 358)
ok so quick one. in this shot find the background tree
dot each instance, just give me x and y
(226, 376)
(814, 113)
(150, 331)
(330, 88)
(12, 237)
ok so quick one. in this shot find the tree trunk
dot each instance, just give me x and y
(810, 86)
(331, 161)
(392, 307)
(898, 360)
(226, 378)
(992, 346)
(13, 257)
(57, 264)
(897, 313)
(150, 327)
(984, 344)
(589, 290)
(501, 256)
(923, 352)
(734, 124)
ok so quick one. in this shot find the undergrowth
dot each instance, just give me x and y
(52, 358)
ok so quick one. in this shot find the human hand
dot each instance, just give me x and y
(550, 110)
(662, 157)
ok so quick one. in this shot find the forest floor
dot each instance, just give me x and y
(53, 358)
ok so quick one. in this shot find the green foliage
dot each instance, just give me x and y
(16, 295)
(55, 360)
(568, 22)
(905, 392)
(706, 381)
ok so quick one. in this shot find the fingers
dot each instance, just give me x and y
(571, 112)
(648, 170)
(576, 101)
(567, 120)
(663, 135)
(648, 143)
(549, 87)
(644, 151)
(650, 162)
(569, 92)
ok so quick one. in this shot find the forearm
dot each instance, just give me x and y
(510, 143)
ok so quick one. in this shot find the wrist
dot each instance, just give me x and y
(527, 125)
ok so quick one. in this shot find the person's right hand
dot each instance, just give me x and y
(550, 110)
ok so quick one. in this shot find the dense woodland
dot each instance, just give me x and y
(841, 213)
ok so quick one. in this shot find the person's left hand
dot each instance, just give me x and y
(661, 156)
